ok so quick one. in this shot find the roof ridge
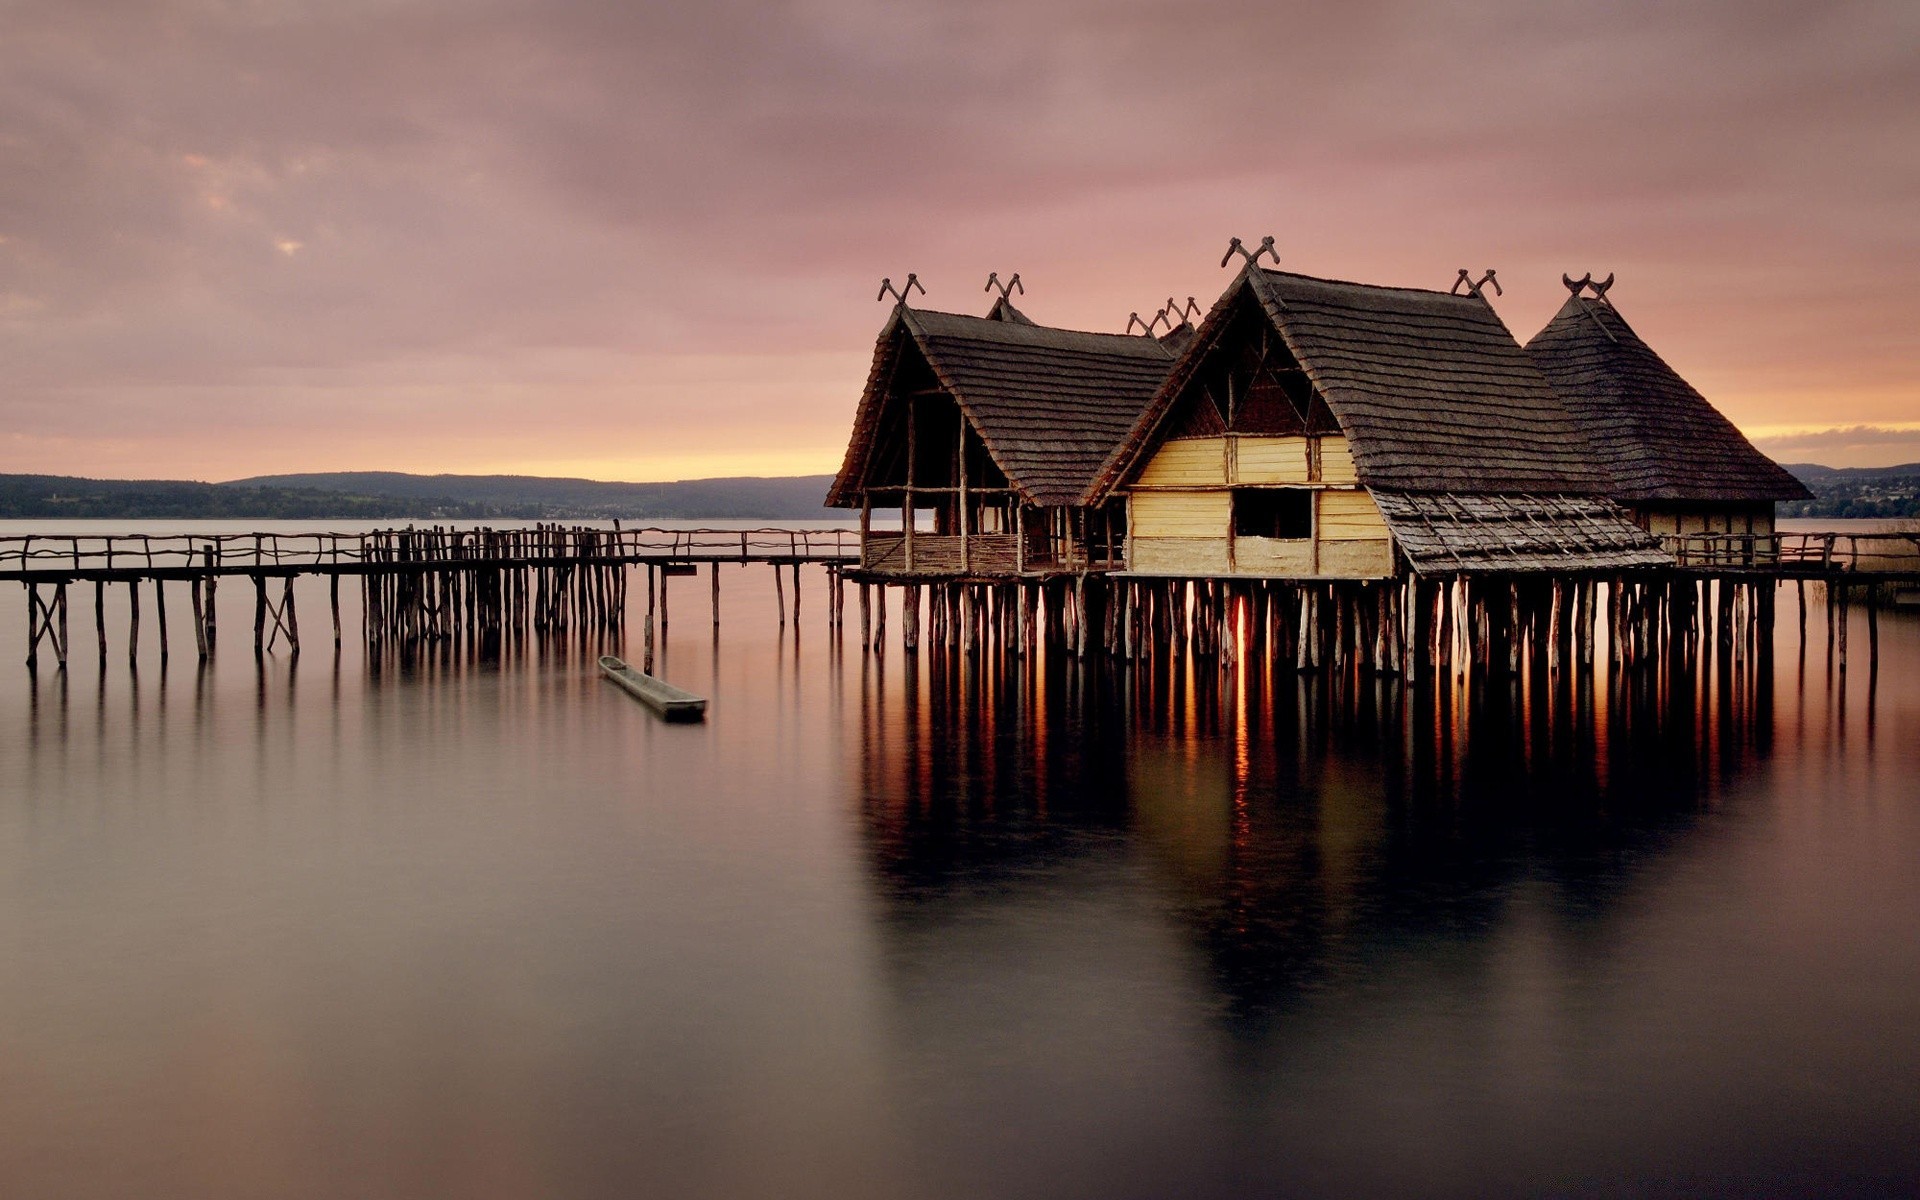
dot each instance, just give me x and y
(1372, 287)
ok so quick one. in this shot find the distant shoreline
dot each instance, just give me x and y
(396, 496)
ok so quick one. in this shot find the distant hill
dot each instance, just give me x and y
(1856, 491)
(801, 497)
(63, 497)
(387, 495)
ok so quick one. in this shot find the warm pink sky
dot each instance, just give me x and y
(642, 241)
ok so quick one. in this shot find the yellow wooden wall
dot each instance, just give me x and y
(1667, 522)
(1181, 519)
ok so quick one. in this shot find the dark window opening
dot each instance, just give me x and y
(1273, 513)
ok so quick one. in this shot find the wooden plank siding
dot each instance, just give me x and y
(1181, 510)
(1681, 522)
(1187, 463)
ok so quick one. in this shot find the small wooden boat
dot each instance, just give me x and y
(659, 695)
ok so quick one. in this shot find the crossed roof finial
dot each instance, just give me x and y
(1576, 286)
(900, 294)
(1474, 285)
(1147, 327)
(1236, 246)
(1012, 284)
(1183, 311)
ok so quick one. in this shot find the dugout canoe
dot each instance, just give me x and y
(659, 695)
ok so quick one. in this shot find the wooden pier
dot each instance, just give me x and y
(418, 585)
(422, 586)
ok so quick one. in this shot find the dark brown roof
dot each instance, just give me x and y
(1467, 534)
(1657, 437)
(1431, 389)
(1049, 404)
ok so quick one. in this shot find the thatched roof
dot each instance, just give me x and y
(1048, 404)
(1432, 390)
(1658, 438)
(1469, 534)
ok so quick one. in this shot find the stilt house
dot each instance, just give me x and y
(1670, 458)
(983, 435)
(1318, 429)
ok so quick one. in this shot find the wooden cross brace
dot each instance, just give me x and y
(281, 613)
(46, 619)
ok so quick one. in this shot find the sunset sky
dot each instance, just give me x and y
(642, 241)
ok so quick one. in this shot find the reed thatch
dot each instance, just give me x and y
(1452, 534)
(1431, 389)
(1048, 404)
(1658, 438)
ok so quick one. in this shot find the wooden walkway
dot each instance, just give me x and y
(486, 586)
(418, 585)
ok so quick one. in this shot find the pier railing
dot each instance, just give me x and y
(325, 551)
(1889, 553)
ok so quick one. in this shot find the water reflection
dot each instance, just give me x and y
(1294, 824)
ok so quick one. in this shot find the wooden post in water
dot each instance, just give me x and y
(780, 595)
(100, 617)
(880, 618)
(333, 597)
(199, 619)
(33, 626)
(866, 617)
(259, 615)
(1872, 630)
(715, 573)
(910, 618)
(160, 616)
(213, 585)
(133, 627)
(292, 618)
(1843, 590)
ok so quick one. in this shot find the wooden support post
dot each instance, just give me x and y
(292, 618)
(715, 573)
(133, 624)
(333, 597)
(1843, 591)
(1080, 616)
(259, 615)
(160, 616)
(199, 619)
(910, 618)
(780, 594)
(1872, 630)
(880, 618)
(100, 617)
(213, 587)
(33, 626)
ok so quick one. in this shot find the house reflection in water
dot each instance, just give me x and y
(1279, 834)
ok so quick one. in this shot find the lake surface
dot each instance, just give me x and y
(885, 927)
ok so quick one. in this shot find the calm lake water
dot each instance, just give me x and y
(887, 928)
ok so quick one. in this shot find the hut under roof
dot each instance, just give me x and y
(998, 427)
(1668, 455)
(1322, 428)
